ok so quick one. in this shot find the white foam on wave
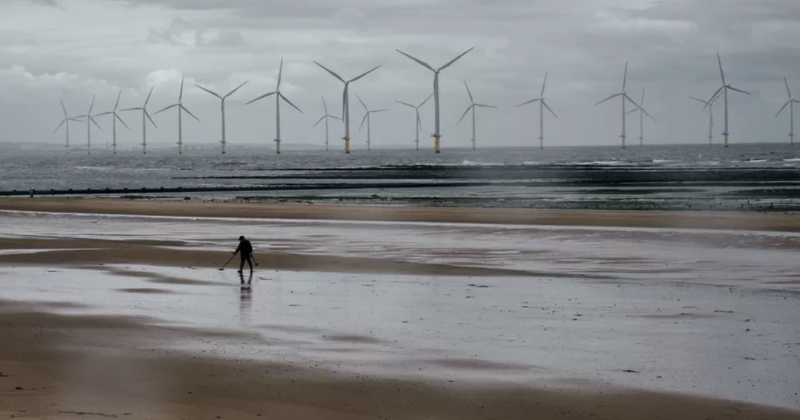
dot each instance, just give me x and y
(792, 160)
(471, 163)
(755, 161)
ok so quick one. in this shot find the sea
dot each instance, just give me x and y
(743, 177)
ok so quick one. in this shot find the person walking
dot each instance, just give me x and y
(245, 251)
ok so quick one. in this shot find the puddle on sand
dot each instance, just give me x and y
(732, 343)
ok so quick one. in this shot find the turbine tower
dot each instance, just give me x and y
(724, 91)
(710, 106)
(65, 122)
(367, 113)
(114, 118)
(542, 106)
(222, 99)
(790, 103)
(145, 117)
(278, 97)
(624, 97)
(181, 108)
(418, 123)
(437, 135)
(472, 107)
(89, 120)
(326, 117)
(641, 119)
(346, 102)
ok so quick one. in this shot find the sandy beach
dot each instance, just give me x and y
(420, 313)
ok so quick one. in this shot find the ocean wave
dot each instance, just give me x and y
(755, 161)
(792, 160)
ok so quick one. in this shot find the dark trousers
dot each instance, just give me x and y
(248, 258)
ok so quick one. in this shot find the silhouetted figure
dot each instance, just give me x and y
(245, 251)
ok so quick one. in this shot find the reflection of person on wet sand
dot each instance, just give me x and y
(249, 278)
(245, 250)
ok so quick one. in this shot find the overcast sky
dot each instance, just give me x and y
(73, 49)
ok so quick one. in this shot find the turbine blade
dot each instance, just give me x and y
(609, 98)
(419, 122)
(527, 102)
(364, 74)
(91, 107)
(59, 126)
(543, 85)
(699, 100)
(455, 59)
(782, 108)
(335, 117)
(330, 71)
(148, 117)
(738, 90)
(380, 110)
(625, 95)
(468, 92)
(324, 105)
(787, 87)
(418, 61)
(721, 72)
(120, 120)
(465, 113)
(169, 107)
(485, 106)
(426, 100)
(148, 97)
(95, 123)
(406, 104)
(233, 91)
(261, 97)
(118, 98)
(103, 114)
(548, 108)
(213, 93)
(319, 121)
(642, 101)
(366, 114)
(713, 97)
(280, 75)
(362, 103)
(180, 96)
(632, 111)
(625, 77)
(189, 112)
(130, 109)
(63, 107)
(289, 102)
(640, 108)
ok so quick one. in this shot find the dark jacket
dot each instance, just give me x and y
(244, 247)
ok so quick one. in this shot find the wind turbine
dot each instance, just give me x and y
(472, 107)
(624, 96)
(114, 118)
(66, 121)
(222, 99)
(143, 108)
(724, 90)
(641, 119)
(278, 97)
(791, 103)
(89, 120)
(181, 108)
(710, 106)
(418, 123)
(346, 101)
(542, 106)
(326, 117)
(367, 113)
(437, 133)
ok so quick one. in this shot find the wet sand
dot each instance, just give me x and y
(652, 219)
(100, 318)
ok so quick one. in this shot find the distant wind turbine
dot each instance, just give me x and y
(145, 117)
(65, 122)
(222, 100)
(89, 120)
(724, 91)
(326, 117)
(181, 108)
(418, 121)
(710, 106)
(437, 135)
(624, 97)
(473, 105)
(346, 101)
(542, 106)
(790, 103)
(114, 118)
(367, 113)
(278, 97)
(641, 119)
